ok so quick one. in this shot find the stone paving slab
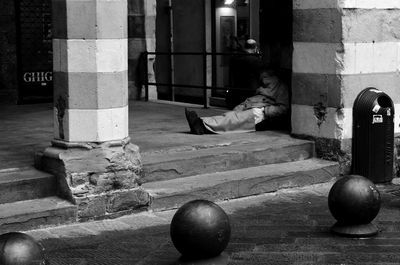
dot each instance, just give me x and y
(286, 227)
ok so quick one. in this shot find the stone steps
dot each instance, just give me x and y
(231, 184)
(216, 169)
(29, 214)
(168, 165)
(25, 184)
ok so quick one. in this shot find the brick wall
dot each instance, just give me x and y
(8, 57)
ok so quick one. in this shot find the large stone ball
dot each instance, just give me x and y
(200, 229)
(20, 249)
(354, 199)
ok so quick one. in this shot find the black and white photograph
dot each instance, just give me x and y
(199, 132)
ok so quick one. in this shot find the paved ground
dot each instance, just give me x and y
(288, 227)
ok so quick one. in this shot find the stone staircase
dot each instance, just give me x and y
(28, 200)
(209, 169)
(232, 170)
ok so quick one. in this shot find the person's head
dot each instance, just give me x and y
(267, 76)
(250, 46)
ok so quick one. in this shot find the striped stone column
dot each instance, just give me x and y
(90, 70)
(340, 48)
(96, 165)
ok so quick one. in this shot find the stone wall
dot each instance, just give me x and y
(397, 155)
(340, 48)
(317, 106)
(8, 57)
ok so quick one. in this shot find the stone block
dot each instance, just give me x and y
(93, 168)
(91, 206)
(311, 4)
(59, 19)
(102, 179)
(83, 19)
(132, 70)
(60, 55)
(309, 89)
(94, 125)
(317, 25)
(317, 58)
(92, 90)
(112, 55)
(127, 200)
(81, 55)
(150, 7)
(111, 19)
(372, 25)
(150, 26)
(112, 89)
(136, 26)
(135, 7)
(353, 84)
(322, 121)
(378, 57)
(135, 47)
(90, 56)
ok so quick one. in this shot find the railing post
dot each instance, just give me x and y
(146, 83)
(205, 92)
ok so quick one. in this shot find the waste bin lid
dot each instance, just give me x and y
(372, 99)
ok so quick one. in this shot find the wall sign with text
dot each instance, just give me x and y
(35, 58)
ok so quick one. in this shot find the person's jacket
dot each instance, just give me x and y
(274, 99)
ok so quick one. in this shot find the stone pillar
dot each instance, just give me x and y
(340, 48)
(150, 8)
(96, 165)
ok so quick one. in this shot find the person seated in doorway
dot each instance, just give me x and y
(244, 74)
(268, 109)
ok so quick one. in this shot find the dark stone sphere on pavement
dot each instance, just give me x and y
(354, 199)
(200, 229)
(20, 249)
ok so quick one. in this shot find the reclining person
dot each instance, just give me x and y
(270, 106)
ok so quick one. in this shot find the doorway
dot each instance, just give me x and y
(220, 28)
(235, 22)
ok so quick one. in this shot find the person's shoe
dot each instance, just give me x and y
(195, 123)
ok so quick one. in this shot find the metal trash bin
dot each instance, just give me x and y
(373, 135)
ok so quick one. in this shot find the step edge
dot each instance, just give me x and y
(61, 205)
(26, 180)
(149, 186)
(9, 177)
(182, 156)
(176, 200)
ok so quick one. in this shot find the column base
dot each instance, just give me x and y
(360, 230)
(102, 179)
(221, 259)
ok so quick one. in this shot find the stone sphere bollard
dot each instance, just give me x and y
(200, 229)
(354, 201)
(20, 249)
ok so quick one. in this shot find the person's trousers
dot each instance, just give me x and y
(231, 122)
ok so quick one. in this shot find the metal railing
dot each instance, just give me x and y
(204, 85)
